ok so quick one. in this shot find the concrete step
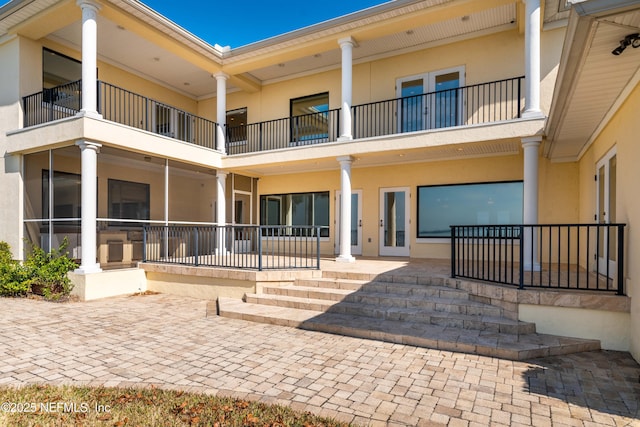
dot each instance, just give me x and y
(442, 337)
(413, 314)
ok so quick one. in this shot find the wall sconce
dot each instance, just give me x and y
(630, 40)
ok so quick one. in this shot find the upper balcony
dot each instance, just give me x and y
(485, 103)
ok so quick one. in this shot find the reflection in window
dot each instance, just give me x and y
(441, 206)
(310, 119)
(237, 125)
(128, 200)
(301, 209)
(66, 195)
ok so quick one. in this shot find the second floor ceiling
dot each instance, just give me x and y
(133, 37)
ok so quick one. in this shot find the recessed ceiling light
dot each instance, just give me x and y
(120, 27)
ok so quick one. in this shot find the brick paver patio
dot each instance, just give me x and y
(168, 341)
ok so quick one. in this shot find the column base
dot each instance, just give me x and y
(345, 138)
(532, 267)
(88, 269)
(90, 114)
(345, 258)
(533, 114)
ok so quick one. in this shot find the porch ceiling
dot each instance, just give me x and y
(135, 38)
(592, 82)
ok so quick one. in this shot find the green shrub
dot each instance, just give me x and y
(14, 279)
(47, 272)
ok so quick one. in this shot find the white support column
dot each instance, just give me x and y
(532, 59)
(529, 243)
(90, 10)
(345, 210)
(346, 131)
(221, 210)
(221, 107)
(89, 199)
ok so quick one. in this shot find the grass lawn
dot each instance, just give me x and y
(43, 405)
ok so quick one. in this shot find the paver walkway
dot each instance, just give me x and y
(167, 341)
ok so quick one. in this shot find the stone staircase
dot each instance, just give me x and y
(419, 311)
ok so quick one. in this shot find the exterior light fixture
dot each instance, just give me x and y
(630, 40)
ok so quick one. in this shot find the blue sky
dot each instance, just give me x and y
(238, 23)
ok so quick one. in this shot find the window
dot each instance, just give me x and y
(59, 69)
(128, 200)
(440, 206)
(300, 209)
(237, 125)
(310, 119)
(66, 195)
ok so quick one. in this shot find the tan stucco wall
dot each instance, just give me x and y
(558, 192)
(198, 286)
(622, 133)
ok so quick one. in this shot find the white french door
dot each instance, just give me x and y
(356, 222)
(606, 212)
(442, 108)
(394, 221)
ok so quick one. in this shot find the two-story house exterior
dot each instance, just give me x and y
(383, 127)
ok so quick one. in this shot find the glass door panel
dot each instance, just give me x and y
(606, 214)
(394, 222)
(356, 222)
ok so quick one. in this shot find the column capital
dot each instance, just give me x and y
(88, 144)
(348, 41)
(89, 4)
(221, 173)
(221, 75)
(345, 159)
(531, 141)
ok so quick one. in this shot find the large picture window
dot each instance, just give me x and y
(495, 203)
(128, 200)
(299, 209)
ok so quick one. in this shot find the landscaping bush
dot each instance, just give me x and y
(42, 273)
(48, 271)
(14, 279)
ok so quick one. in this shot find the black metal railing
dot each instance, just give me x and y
(467, 105)
(557, 256)
(128, 108)
(52, 104)
(499, 100)
(252, 247)
(308, 129)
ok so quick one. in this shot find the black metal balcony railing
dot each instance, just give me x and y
(128, 108)
(52, 104)
(253, 247)
(308, 129)
(481, 103)
(558, 256)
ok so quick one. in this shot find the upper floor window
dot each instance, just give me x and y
(237, 125)
(59, 69)
(310, 119)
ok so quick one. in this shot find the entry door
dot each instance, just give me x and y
(606, 212)
(356, 222)
(430, 100)
(394, 221)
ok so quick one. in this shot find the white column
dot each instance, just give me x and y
(531, 147)
(89, 198)
(346, 45)
(532, 59)
(221, 210)
(345, 210)
(221, 107)
(89, 58)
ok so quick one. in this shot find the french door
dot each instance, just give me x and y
(430, 100)
(356, 222)
(606, 212)
(394, 221)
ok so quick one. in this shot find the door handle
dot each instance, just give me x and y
(381, 223)
(359, 223)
